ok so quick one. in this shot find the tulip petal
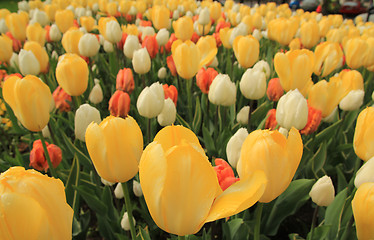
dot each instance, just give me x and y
(8, 91)
(295, 149)
(282, 67)
(239, 196)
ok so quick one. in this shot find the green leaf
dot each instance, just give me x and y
(260, 112)
(325, 135)
(92, 200)
(208, 140)
(143, 234)
(15, 127)
(334, 214)
(182, 121)
(196, 123)
(316, 163)
(319, 232)
(73, 180)
(107, 199)
(288, 203)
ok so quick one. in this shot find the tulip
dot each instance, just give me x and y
(64, 19)
(88, 45)
(274, 90)
(16, 24)
(31, 109)
(61, 99)
(242, 116)
(352, 101)
(204, 79)
(125, 80)
(131, 45)
(72, 74)
(263, 66)
(113, 32)
(225, 174)
(162, 72)
(365, 173)
(114, 163)
(222, 91)
(160, 17)
(34, 32)
(119, 104)
(181, 188)
(355, 52)
(28, 63)
(323, 192)
(40, 53)
(96, 94)
(282, 30)
(37, 157)
(224, 35)
(324, 26)
(137, 189)
(271, 121)
(125, 224)
(39, 17)
(162, 37)
(328, 56)
(234, 145)
(363, 140)
(295, 69)
(34, 202)
(150, 43)
(70, 40)
(168, 114)
(171, 92)
(369, 60)
(171, 65)
(215, 10)
(151, 101)
(87, 22)
(292, 110)
(204, 17)
(246, 50)
(363, 212)
(183, 28)
(273, 153)
(309, 33)
(84, 115)
(253, 84)
(208, 49)
(6, 49)
(50, 10)
(54, 33)
(141, 61)
(314, 119)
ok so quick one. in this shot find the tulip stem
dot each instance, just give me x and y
(251, 104)
(258, 214)
(46, 154)
(149, 130)
(181, 237)
(126, 194)
(314, 218)
(189, 99)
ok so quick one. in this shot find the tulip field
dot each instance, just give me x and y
(184, 119)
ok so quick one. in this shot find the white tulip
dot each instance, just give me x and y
(222, 91)
(88, 45)
(323, 192)
(131, 45)
(168, 113)
(141, 61)
(84, 115)
(365, 173)
(151, 101)
(234, 146)
(352, 101)
(253, 84)
(28, 63)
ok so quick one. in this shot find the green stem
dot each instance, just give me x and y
(149, 130)
(126, 194)
(46, 154)
(76, 102)
(313, 222)
(181, 237)
(189, 99)
(251, 103)
(258, 214)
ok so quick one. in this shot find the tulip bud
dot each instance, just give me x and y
(253, 84)
(147, 31)
(61, 99)
(234, 146)
(3, 27)
(141, 61)
(275, 90)
(131, 45)
(363, 140)
(119, 104)
(242, 116)
(292, 110)
(151, 101)
(37, 156)
(246, 50)
(322, 192)
(64, 20)
(113, 32)
(168, 113)
(23, 6)
(14, 62)
(257, 34)
(204, 79)
(118, 191)
(161, 74)
(150, 43)
(88, 45)
(352, 101)
(183, 28)
(365, 173)
(96, 94)
(263, 66)
(40, 17)
(84, 115)
(162, 37)
(108, 46)
(222, 91)
(239, 30)
(137, 188)
(204, 16)
(54, 33)
(28, 63)
(6, 49)
(225, 174)
(362, 206)
(125, 222)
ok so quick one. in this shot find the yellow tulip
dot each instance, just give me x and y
(246, 50)
(141, 6)
(363, 140)
(183, 28)
(124, 6)
(3, 13)
(257, 21)
(309, 33)
(234, 17)
(160, 17)
(70, 40)
(363, 211)
(111, 8)
(336, 35)
(16, 24)
(72, 74)
(31, 109)
(6, 49)
(329, 56)
(130, 29)
(273, 153)
(294, 69)
(34, 32)
(295, 44)
(324, 26)
(88, 23)
(337, 20)
(181, 188)
(34, 203)
(369, 59)
(208, 49)
(36, 4)
(115, 147)
(351, 80)
(224, 35)
(50, 10)
(282, 30)
(64, 20)
(40, 54)
(215, 10)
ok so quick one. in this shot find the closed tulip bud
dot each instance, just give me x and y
(352, 101)
(113, 32)
(64, 19)
(246, 50)
(125, 224)
(282, 30)
(61, 99)
(96, 94)
(40, 53)
(204, 79)
(16, 24)
(150, 43)
(253, 84)
(23, 6)
(28, 63)
(70, 41)
(72, 74)
(88, 45)
(171, 92)
(194, 190)
(234, 146)
(355, 52)
(183, 28)
(363, 211)
(125, 80)
(240, 30)
(263, 66)
(309, 33)
(151, 101)
(118, 191)
(14, 62)
(31, 109)
(363, 141)
(46, 133)
(323, 192)
(160, 17)
(6, 49)
(168, 114)
(37, 156)
(141, 61)
(131, 45)
(119, 104)
(112, 163)
(34, 32)
(292, 110)
(275, 90)
(365, 173)
(54, 33)
(283, 156)
(108, 46)
(242, 116)
(204, 16)
(162, 72)
(84, 115)
(39, 17)
(34, 202)
(50, 10)
(222, 91)
(162, 37)
(137, 188)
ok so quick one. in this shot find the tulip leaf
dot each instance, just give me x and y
(197, 118)
(319, 233)
(92, 200)
(182, 121)
(316, 163)
(288, 203)
(260, 112)
(15, 127)
(105, 228)
(107, 199)
(143, 234)
(334, 213)
(208, 141)
(349, 119)
(237, 229)
(73, 180)
(295, 236)
(325, 134)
